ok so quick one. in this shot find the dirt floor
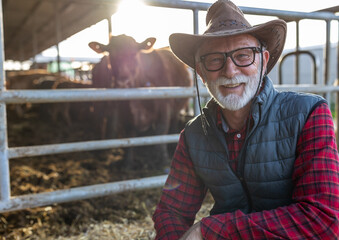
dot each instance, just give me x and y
(121, 216)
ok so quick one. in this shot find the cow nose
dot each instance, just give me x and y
(124, 83)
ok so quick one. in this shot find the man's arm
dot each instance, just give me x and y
(314, 213)
(181, 198)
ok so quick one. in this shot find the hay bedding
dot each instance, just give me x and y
(121, 216)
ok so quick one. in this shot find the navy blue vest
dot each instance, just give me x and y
(263, 179)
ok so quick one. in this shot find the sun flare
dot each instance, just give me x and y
(131, 18)
(141, 21)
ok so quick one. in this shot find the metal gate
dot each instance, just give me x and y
(11, 203)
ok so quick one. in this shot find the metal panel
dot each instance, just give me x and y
(17, 152)
(41, 96)
(79, 193)
(4, 165)
(8, 203)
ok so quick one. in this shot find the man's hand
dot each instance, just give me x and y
(194, 233)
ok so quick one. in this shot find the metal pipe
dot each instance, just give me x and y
(5, 191)
(73, 95)
(327, 58)
(81, 95)
(247, 10)
(298, 53)
(288, 15)
(297, 58)
(293, 15)
(57, 34)
(337, 105)
(196, 31)
(80, 193)
(109, 21)
(17, 152)
(35, 38)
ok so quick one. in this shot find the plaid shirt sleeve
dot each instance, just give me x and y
(181, 198)
(315, 211)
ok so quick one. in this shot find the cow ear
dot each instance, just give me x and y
(147, 44)
(97, 47)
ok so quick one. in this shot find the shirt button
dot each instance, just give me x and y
(238, 135)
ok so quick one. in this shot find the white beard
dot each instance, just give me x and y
(233, 101)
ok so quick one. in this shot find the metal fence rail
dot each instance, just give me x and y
(11, 203)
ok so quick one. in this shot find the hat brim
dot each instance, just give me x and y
(272, 34)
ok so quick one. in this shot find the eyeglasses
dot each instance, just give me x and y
(241, 57)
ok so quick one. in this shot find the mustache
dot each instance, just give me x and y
(235, 80)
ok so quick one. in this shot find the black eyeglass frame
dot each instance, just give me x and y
(229, 54)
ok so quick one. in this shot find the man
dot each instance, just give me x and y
(268, 158)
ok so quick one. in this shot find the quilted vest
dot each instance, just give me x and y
(263, 179)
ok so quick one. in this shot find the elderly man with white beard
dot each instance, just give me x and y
(268, 158)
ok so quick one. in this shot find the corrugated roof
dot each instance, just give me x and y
(30, 25)
(26, 20)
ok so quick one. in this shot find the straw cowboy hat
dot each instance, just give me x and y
(226, 19)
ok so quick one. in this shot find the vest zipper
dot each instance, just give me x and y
(241, 164)
(240, 175)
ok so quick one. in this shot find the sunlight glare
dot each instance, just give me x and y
(140, 21)
(130, 6)
(131, 19)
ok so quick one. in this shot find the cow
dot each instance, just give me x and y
(70, 111)
(41, 79)
(102, 77)
(30, 79)
(136, 65)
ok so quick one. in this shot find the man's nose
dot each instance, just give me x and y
(230, 69)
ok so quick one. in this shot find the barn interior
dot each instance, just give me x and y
(30, 27)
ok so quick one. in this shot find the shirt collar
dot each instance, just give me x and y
(221, 123)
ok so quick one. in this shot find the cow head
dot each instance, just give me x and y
(123, 54)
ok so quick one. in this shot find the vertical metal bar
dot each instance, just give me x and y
(109, 19)
(5, 191)
(337, 105)
(196, 31)
(327, 59)
(297, 58)
(35, 37)
(57, 33)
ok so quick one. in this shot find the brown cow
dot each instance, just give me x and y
(137, 65)
(30, 79)
(102, 77)
(40, 79)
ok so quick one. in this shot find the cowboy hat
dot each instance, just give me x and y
(224, 19)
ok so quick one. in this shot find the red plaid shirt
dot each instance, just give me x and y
(313, 215)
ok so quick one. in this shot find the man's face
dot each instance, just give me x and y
(233, 87)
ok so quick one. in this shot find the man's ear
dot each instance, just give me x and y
(266, 57)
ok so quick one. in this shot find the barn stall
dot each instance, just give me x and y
(38, 176)
(58, 188)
